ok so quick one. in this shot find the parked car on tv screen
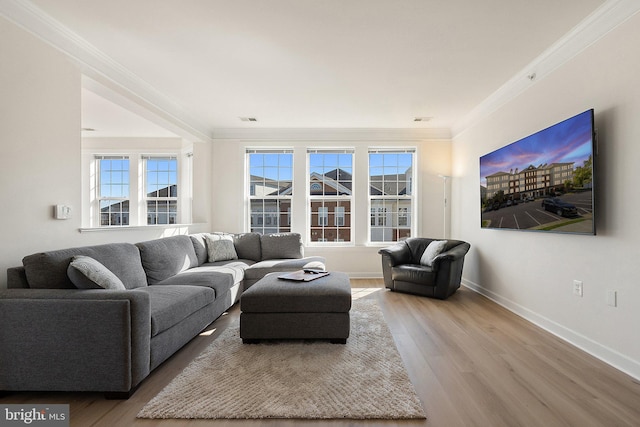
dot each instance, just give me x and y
(559, 207)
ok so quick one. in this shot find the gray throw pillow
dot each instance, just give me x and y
(87, 273)
(220, 247)
(433, 250)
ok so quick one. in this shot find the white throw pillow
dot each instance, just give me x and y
(433, 250)
(88, 273)
(220, 247)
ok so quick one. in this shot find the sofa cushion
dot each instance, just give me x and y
(220, 278)
(48, 270)
(87, 273)
(169, 305)
(220, 248)
(200, 247)
(248, 246)
(260, 269)
(281, 245)
(166, 257)
(433, 250)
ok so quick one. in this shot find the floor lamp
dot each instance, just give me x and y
(444, 197)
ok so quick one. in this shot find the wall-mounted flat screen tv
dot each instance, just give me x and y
(543, 182)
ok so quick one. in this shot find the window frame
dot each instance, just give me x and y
(94, 148)
(282, 201)
(340, 201)
(146, 198)
(99, 198)
(380, 213)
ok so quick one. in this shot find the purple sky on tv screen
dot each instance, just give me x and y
(567, 141)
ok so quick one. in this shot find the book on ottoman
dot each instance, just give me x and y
(304, 275)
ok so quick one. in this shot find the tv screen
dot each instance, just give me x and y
(543, 182)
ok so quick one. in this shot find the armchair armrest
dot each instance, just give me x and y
(456, 253)
(397, 254)
(448, 267)
(392, 256)
(73, 340)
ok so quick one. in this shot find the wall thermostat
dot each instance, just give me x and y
(62, 211)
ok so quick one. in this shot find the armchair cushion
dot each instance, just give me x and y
(433, 250)
(413, 273)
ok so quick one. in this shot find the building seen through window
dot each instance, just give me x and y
(113, 190)
(270, 190)
(330, 195)
(390, 194)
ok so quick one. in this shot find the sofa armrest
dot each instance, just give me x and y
(17, 277)
(73, 340)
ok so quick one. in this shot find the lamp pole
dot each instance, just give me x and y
(444, 198)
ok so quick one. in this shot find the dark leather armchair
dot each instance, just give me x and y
(403, 272)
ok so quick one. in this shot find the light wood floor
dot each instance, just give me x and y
(472, 363)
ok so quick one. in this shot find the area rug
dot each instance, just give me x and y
(363, 379)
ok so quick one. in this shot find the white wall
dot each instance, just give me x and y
(359, 260)
(40, 160)
(532, 273)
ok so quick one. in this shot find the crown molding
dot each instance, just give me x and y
(334, 134)
(607, 17)
(102, 68)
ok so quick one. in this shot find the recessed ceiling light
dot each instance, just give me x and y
(248, 119)
(422, 119)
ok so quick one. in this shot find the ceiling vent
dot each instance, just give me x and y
(422, 119)
(248, 119)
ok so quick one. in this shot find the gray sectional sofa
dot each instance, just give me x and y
(101, 318)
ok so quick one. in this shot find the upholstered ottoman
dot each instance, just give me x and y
(281, 309)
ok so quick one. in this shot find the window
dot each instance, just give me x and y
(323, 216)
(126, 186)
(161, 189)
(113, 190)
(270, 190)
(390, 194)
(330, 195)
(339, 216)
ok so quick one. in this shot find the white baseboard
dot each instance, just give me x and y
(606, 354)
(364, 275)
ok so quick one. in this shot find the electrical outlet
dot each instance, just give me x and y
(577, 287)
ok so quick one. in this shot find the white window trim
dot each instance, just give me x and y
(97, 178)
(144, 197)
(137, 203)
(412, 217)
(248, 197)
(309, 198)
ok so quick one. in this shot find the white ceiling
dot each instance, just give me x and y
(317, 64)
